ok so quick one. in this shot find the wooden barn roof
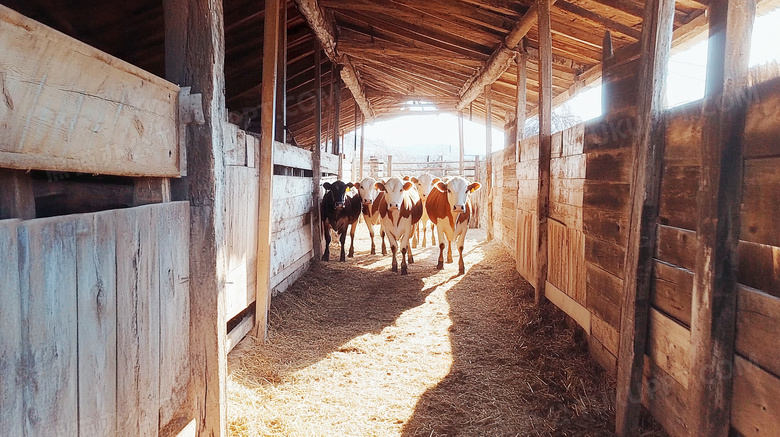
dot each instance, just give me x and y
(400, 50)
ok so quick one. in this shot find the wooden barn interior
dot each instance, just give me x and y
(162, 162)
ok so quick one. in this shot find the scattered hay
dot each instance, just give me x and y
(355, 349)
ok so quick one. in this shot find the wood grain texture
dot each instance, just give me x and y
(545, 143)
(48, 285)
(668, 346)
(760, 218)
(11, 364)
(291, 156)
(82, 110)
(671, 291)
(759, 267)
(97, 328)
(173, 236)
(138, 321)
(241, 197)
(579, 313)
(665, 398)
(758, 327)
(754, 410)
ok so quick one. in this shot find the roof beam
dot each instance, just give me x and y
(325, 34)
(500, 60)
(592, 16)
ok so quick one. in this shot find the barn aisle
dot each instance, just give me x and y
(358, 350)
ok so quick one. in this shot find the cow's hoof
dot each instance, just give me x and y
(384, 252)
(373, 251)
(394, 268)
(342, 258)
(404, 271)
(414, 245)
(351, 254)
(325, 257)
(440, 266)
(461, 271)
(449, 260)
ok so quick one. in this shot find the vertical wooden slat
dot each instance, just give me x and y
(648, 153)
(194, 56)
(336, 89)
(461, 148)
(271, 30)
(362, 146)
(520, 110)
(173, 235)
(138, 322)
(11, 328)
(96, 260)
(607, 61)
(489, 159)
(316, 156)
(281, 77)
(47, 279)
(16, 195)
(545, 144)
(720, 192)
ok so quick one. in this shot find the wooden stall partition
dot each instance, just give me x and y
(85, 111)
(527, 175)
(96, 310)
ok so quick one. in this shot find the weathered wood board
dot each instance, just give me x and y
(754, 407)
(291, 156)
(11, 420)
(241, 197)
(758, 328)
(70, 107)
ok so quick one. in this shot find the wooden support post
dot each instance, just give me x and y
(336, 116)
(329, 135)
(151, 190)
(194, 57)
(520, 110)
(281, 77)
(545, 144)
(389, 167)
(271, 34)
(488, 159)
(16, 195)
(720, 194)
(471, 111)
(648, 151)
(362, 145)
(341, 167)
(461, 148)
(607, 61)
(316, 156)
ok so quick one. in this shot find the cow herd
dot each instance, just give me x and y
(402, 207)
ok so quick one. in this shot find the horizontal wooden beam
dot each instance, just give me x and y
(592, 16)
(325, 34)
(500, 60)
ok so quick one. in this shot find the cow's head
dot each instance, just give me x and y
(368, 191)
(457, 190)
(424, 184)
(339, 190)
(394, 189)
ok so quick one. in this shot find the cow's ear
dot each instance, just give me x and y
(326, 185)
(414, 180)
(433, 182)
(474, 187)
(406, 178)
(441, 186)
(408, 185)
(350, 185)
(380, 186)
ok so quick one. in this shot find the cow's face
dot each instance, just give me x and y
(339, 190)
(368, 191)
(394, 190)
(424, 184)
(458, 190)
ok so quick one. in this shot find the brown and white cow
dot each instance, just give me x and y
(400, 209)
(424, 184)
(449, 208)
(372, 199)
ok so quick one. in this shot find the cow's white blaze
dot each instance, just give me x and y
(457, 193)
(367, 190)
(394, 192)
(424, 183)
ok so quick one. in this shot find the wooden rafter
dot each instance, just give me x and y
(325, 34)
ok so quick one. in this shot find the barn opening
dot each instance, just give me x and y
(161, 164)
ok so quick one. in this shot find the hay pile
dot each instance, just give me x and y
(357, 350)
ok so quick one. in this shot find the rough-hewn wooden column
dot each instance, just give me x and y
(362, 146)
(461, 147)
(520, 110)
(607, 62)
(545, 144)
(720, 194)
(488, 160)
(316, 155)
(271, 35)
(648, 149)
(194, 56)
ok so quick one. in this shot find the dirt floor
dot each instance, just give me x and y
(358, 350)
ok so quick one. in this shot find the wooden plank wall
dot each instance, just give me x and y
(525, 219)
(504, 198)
(97, 314)
(92, 112)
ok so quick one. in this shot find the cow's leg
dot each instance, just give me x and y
(433, 240)
(371, 233)
(416, 233)
(449, 252)
(352, 240)
(409, 252)
(460, 241)
(393, 249)
(382, 235)
(326, 231)
(404, 270)
(440, 265)
(424, 225)
(343, 240)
